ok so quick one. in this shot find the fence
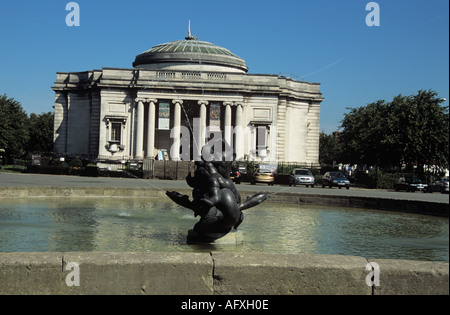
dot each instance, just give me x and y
(166, 169)
(285, 168)
(179, 169)
(147, 169)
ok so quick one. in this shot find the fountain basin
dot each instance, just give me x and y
(92, 224)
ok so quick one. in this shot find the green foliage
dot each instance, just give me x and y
(76, 163)
(329, 149)
(13, 128)
(411, 130)
(363, 136)
(21, 135)
(377, 179)
(40, 130)
(387, 180)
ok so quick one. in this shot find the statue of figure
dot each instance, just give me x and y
(215, 199)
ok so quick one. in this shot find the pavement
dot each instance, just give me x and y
(21, 180)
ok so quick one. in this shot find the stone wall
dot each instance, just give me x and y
(216, 273)
(60, 124)
(78, 123)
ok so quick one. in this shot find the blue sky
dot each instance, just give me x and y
(325, 41)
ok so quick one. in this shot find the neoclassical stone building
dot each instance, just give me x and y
(141, 112)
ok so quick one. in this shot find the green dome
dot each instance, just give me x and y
(190, 51)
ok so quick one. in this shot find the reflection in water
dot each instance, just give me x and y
(113, 224)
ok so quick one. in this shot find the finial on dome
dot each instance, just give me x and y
(190, 37)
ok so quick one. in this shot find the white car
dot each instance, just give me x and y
(440, 185)
(301, 176)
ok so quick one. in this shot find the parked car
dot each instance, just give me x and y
(439, 185)
(263, 176)
(409, 184)
(301, 176)
(235, 175)
(335, 178)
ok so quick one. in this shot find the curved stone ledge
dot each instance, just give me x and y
(59, 191)
(402, 205)
(217, 273)
(411, 206)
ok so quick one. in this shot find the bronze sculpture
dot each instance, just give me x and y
(215, 199)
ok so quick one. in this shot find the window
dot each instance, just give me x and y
(116, 132)
(115, 125)
(261, 140)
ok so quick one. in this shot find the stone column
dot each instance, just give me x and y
(202, 141)
(177, 129)
(151, 129)
(140, 130)
(287, 133)
(228, 128)
(282, 130)
(239, 132)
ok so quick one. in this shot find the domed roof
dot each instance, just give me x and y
(190, 51)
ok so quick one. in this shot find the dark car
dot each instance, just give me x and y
(439, 185)
(334, 178)
(235, 175)
(411, 184)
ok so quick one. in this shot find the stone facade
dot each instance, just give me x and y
(125, 114)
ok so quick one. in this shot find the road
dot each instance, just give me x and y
(13, 179)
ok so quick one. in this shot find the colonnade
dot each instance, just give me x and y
(237, 128)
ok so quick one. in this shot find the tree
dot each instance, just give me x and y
(40, 133)
(364, 139)
(410, 130)
(420, 129)
(13, 128)
(329, 149)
